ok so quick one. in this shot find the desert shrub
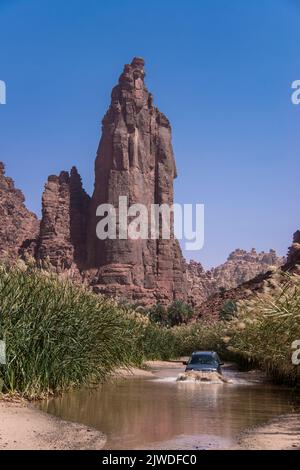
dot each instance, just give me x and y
(228, 310)
(158, 314)
(179, 312)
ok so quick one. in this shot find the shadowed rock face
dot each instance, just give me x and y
(293, 257)
(135, 159)
(62, 236)
(18, 225)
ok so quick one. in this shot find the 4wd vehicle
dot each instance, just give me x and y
(205, 361)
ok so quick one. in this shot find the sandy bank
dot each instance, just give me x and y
(22, 427)
(164, 364)
(131, 372)
(150, 366)
(282, 433)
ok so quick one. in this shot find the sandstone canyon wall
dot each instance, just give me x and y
(62, 235)
(240, 267)
(18, 225)
(135, 159)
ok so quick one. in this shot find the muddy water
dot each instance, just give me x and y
(159, 413)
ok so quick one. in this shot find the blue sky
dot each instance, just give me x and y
(221, 70)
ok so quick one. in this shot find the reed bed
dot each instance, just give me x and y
(266, 326)
(261, 332)
(59, 335)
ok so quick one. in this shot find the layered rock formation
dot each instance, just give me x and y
(18, 225)
(240, 267)
(135, 159)
(211, 307)
(62, 235)
(201, 284)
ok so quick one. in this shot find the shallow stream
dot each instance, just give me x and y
(159, 413)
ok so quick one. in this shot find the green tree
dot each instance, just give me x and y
(178, 313)
(158, 314)
(228, 311)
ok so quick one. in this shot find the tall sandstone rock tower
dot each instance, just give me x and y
(62, 235)
(135, 159)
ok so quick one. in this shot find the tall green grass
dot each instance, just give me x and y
(58, 335)
(259, 332)
(266, 326)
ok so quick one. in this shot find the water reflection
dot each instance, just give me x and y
(141, 412)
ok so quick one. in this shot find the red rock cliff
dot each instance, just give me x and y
(135, 159)
(62, 237)
(18, 225)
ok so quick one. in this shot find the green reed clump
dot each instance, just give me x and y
(199, 336)
(58, 335)
(155, 341)
(266, 326)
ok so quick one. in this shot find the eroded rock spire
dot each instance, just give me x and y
(135, 159)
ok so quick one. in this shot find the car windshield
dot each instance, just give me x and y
(203, 359)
